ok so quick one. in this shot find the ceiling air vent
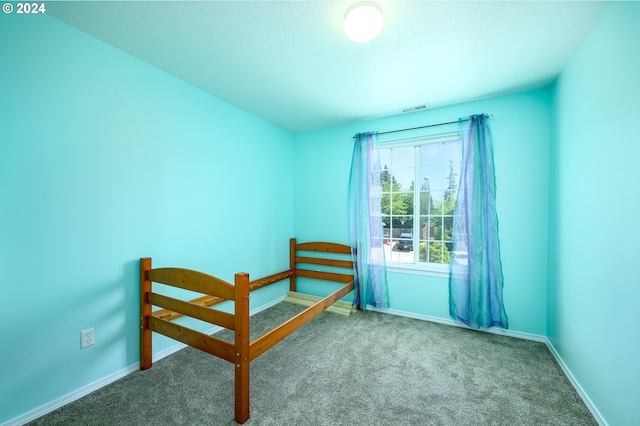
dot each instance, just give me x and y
(414, 108)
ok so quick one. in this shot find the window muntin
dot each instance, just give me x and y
(418, 219)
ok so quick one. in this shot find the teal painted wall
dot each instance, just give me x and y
(594, 273)
(521, 138)
(99, 151)
(99, 154)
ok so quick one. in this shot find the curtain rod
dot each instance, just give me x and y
(424, 127)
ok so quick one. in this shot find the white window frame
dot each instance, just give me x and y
(417, 267)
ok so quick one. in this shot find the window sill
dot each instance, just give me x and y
(442, 273)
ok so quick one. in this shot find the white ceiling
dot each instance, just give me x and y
(290, 63)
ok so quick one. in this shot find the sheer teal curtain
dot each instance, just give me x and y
(475, 284)
(366, 224)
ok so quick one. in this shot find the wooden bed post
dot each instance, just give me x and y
(241, 366)
(292, 264)
(145, 312)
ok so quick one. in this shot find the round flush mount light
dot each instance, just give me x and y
(363, 22)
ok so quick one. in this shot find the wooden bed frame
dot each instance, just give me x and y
(242, 351)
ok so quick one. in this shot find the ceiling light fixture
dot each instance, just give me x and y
(363, 21)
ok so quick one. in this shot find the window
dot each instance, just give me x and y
(419, 180)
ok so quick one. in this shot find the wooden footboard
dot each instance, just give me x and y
(215, 291)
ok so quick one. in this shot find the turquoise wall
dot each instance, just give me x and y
(100, 151)
(103, 160)
(594, 274)
(520, 126)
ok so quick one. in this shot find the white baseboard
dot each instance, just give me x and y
(73, 396)
(86, 390)
(576, 385)
(543, 339)
(446, 321)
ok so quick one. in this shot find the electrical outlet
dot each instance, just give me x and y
(87, 338)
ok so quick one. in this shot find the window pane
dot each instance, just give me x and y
(423, 252)
(453, 151)
(402, 203)
(436, 202)
(435, 228)
(398, 253)
(425, 184)
(426, 203)
(385, 179)
(451, 177)
(425, 229)
(385, 202)
(403, 178)
(434, 177)
(402, 224)
(449, 202)
(385, 157)
(386, 225)
(438, 253)
(434, 173)
(402, 156)
(431, 154)
(447, 224)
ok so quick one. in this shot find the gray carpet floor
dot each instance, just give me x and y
(366, 369)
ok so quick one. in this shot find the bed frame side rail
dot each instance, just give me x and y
(268, 340)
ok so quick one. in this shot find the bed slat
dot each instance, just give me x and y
(212, 316)
(324, 247)
(326, 262)
(206, 301)
(192, 280)
(193, 338)
(321, 275)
